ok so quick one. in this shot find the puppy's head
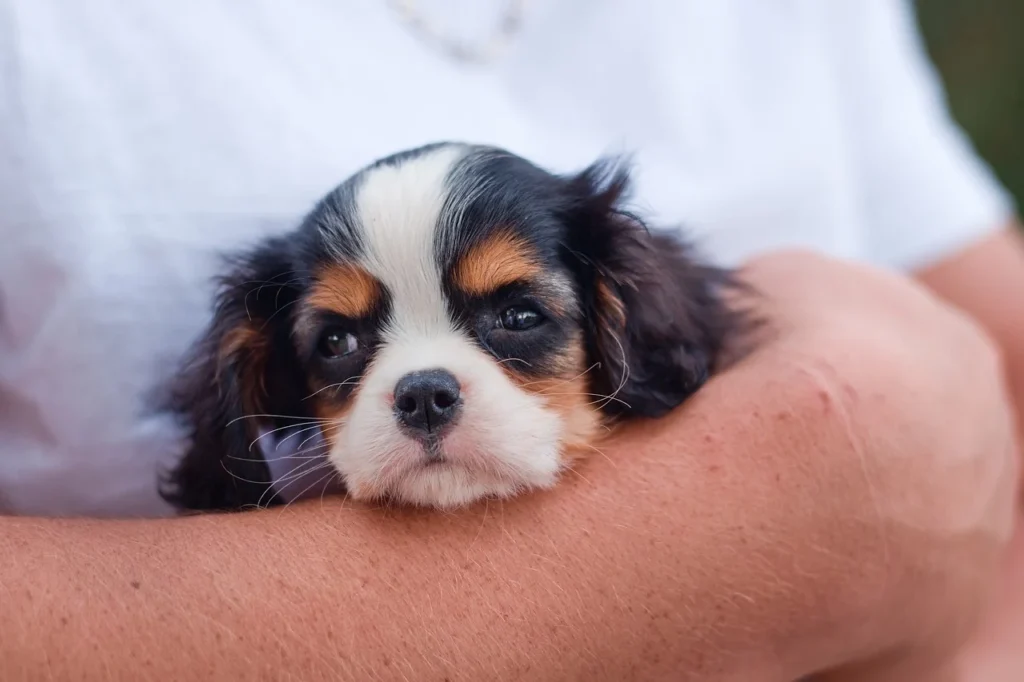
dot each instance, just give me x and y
(456, 323)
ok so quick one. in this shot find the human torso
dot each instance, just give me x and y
(139, 141)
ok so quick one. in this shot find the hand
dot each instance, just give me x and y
(979, 280)
(936, 481)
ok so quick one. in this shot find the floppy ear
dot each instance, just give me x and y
(655, 316)
(243, 365)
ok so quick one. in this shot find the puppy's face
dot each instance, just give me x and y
(441, 334)
(458, 323)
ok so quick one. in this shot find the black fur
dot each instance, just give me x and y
(653, 314)
(214, 393)
(661, 337)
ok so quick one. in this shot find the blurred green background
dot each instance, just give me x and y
(978, 46)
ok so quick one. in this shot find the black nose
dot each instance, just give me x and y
(426, 401)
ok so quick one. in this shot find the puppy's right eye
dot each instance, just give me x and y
(336, 343)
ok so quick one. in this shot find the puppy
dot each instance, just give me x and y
(451, 323)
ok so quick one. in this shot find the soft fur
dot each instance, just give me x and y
(438, 259)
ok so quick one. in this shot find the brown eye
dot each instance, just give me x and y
(519, 318)
(335, 343)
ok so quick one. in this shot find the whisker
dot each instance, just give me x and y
(280, 428)
(347, 382)
(625, 370)
(285, 306)
(602, 453)
(565, 381)
(272, 484)
(324, 429)
(327, 484)
(335, 424)
(309, 487)
(605, 399)
(282, 483)
(277, 296)
(585, 479)
(308, 420)
(314, 448)
(315, 427)
(241, 478)
(274, 279)
(515, 360)
(309, 438)
(265, 283)
(298, 457)
(271, 282)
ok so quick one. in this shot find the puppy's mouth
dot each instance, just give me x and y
(446, 452)
(429, 446)
(424, 455)
(433, 452)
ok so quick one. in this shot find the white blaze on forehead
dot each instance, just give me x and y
(399, 208)
(506, 438)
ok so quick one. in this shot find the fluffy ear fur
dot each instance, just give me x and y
(656, 320)
(244, 365)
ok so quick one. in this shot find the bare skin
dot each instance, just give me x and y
(843, 496)
(987, 281)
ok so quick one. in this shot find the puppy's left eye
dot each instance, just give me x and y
(519, 318)
(335, 344)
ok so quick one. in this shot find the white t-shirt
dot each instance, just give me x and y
(139, 138)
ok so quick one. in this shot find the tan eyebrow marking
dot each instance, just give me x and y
(498, 260)
(345, 289)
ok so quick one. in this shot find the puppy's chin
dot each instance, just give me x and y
(451, 477)
(467, 465)
(442, 485)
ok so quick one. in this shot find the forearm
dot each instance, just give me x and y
(759, 533)
(588, 581)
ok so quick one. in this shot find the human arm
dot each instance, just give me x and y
(986, 280)
(931, 206)
(762, 532)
